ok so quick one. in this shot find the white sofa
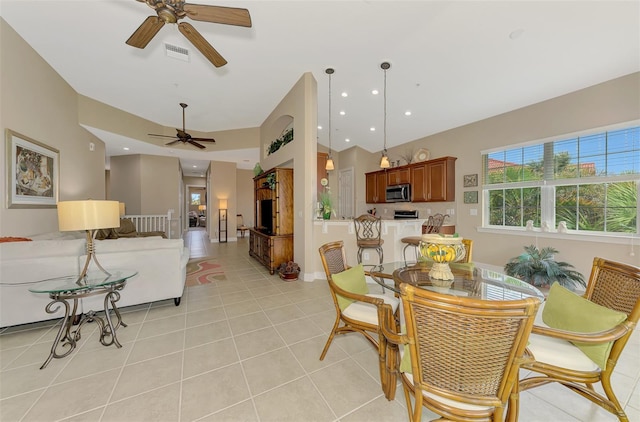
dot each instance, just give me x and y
(160, 263)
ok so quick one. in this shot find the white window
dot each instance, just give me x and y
(590, 183)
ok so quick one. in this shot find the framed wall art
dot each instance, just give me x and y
(471, 197)
(470, 180)
(33, 173)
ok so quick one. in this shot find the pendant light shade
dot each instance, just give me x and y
(329, 165)
(384, 160)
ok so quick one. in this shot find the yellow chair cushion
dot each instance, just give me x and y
(567, 311)
(353, 281)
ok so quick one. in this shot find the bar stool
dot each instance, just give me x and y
(368, 235)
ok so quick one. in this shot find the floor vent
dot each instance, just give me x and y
(176, 52)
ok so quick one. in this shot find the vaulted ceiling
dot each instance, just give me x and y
(452, 63)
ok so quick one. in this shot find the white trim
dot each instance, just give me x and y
(622, 239)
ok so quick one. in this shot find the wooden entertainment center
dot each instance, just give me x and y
(271, 238)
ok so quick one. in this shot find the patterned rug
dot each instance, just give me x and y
(204, 271)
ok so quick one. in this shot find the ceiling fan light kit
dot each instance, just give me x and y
(171, 11)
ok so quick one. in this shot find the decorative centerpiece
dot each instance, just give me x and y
(442, 250)
(289, 271)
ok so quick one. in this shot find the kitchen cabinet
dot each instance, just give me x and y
(398, 176)
(433, 180)
(376, 186)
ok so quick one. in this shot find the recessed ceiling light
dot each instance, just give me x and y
(195, 167)
(347, 140)
(319, 127)
(372, 129)
(126, 148)
(342, 113)
(344, 94)
(375, 92)
(407, 113)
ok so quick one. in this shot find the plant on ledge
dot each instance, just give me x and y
(539, 268)
(284, 139)
(326, 203)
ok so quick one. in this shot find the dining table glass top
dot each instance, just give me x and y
(470, 280)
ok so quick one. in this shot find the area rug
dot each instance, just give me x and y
(204, 271)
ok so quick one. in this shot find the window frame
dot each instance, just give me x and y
(548, 188)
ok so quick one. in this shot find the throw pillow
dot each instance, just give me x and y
(353, 281)
(566, 310)
(126, 226)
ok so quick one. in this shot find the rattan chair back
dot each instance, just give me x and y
(434, 223)
(464, 349)
(334, 260)
(613, 285)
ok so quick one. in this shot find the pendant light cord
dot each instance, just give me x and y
(385, 110)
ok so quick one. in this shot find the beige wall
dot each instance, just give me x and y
(38, 103)
(222, 185)
(160, 178)
(301, 104)
(244, 191)
(124, 182)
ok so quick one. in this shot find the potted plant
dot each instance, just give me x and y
(289, 271)
(326, 204)
(539, 268)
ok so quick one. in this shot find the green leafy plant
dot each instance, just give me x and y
(539, 268)
(326, 203)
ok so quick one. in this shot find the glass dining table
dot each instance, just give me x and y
(474, 280)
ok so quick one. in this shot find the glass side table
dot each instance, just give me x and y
(65, 291)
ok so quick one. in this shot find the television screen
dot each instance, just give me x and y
(266, 216)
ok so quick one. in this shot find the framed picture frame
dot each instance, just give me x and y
(471, 197)
(32, 172)
(470, 180)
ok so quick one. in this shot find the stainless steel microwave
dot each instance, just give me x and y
(398, 193)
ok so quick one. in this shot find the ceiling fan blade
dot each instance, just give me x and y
(145, 32)
(204, 139)
(218, 14)
(160, 136)
(173, 142)
(196, 144)
(201, 44)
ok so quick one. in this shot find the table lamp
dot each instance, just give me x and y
(88, 215)
(202, 209)
(122, 209)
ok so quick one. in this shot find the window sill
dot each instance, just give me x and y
(623, 239)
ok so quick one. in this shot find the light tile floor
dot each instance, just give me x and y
(244, 349)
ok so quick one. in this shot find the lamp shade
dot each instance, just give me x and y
(88, 215)
(202, 207)
(329, 165)
(384, 162)
(223, 204)
(122, 209)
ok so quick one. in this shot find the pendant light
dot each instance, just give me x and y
(384, 160)
(329, 165)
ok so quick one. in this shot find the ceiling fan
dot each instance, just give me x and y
(183, 136)
(171, 11)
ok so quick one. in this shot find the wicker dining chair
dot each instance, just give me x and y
(464, 353)
(615, 286)
(361, 316)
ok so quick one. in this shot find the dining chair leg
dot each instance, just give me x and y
(330, 339)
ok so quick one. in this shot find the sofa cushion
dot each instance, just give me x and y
(41, 248)
(126, 227)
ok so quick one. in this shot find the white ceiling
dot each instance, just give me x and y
(452, 62)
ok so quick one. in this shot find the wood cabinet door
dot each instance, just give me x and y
(381, 183)
(437, 181)
(398, 176)
(419, 190)
(372, 188)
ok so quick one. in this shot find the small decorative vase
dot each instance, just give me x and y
(326, 215)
